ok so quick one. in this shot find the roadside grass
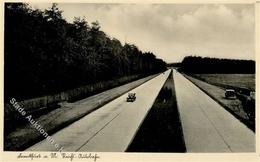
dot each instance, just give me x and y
(42, 105)
(24, 136)
(234, 106)
(235, 81)
(161, 130)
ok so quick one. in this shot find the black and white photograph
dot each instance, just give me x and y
(122, 77)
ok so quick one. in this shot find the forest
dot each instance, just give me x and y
(206, 65)
(44, 54)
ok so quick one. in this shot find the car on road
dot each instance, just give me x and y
(230, 93)
(131, 97)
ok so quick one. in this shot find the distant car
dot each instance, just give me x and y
(252, 95)
(131, 97)
(230, 93)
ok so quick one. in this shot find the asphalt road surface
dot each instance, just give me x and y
(208, 127)
(112, 127)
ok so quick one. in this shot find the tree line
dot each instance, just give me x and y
(45, 54)
(206, 65)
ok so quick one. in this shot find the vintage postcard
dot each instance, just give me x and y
(130, 81)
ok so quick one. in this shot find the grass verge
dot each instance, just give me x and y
(25, 136)
(161, 130)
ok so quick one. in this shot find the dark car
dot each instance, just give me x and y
(230, 93)
(131, 97)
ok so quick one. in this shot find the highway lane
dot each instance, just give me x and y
(112, 127)
(207, 126)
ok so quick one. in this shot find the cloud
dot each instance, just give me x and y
(173, 31)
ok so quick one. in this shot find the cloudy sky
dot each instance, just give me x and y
(173, 31)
